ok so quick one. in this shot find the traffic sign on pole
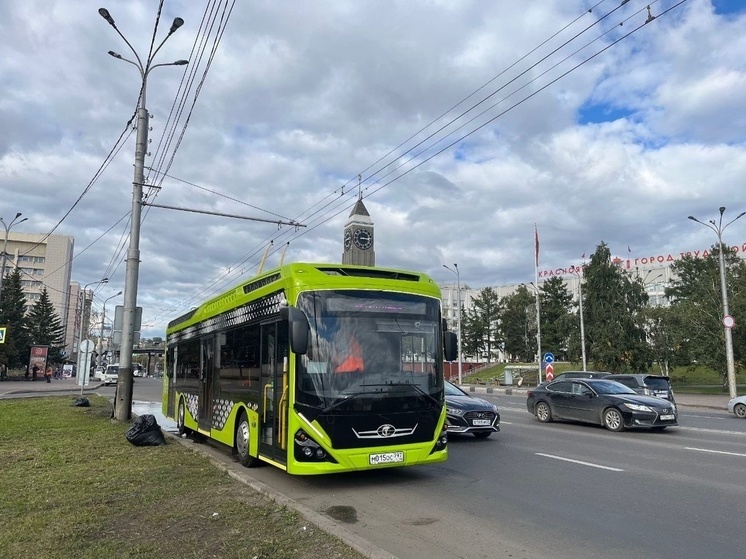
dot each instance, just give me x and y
(549, 372)
(548, 357)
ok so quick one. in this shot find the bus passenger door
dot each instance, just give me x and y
(207, 374)
(275, 391)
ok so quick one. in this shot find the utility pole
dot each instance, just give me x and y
(123, 399)
(728, 321)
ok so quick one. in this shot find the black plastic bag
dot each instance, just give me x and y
(81, 403)
(145, 431)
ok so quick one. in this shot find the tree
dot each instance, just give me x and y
(556, 317)
(480, 329)
(14, 352)
(517, 325)
(45, 328)
(612, 305)
(696, 296)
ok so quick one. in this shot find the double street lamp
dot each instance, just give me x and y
(455, 270)
(103, 320)
(123, 403)
(728, 322)
(81, 378)
(7, 226)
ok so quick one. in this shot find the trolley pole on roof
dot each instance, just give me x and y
(123, 400)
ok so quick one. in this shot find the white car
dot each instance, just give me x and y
(737, 405)
(111, 374)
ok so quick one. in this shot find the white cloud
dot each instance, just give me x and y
(301, 98)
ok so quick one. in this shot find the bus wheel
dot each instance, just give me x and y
(180, 419)
(242, 443)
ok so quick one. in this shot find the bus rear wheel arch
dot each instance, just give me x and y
(242, 445)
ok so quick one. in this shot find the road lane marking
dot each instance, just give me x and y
(715, 451)
(592, 465)
(706, 430)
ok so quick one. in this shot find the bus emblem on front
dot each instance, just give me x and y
(386, 430)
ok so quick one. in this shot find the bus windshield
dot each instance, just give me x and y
(366, 346)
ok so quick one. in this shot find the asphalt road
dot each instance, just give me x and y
(534, 490)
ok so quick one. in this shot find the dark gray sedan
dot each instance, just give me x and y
(600, 401)
(467, 414)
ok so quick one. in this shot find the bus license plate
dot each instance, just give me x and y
(667, 417)
(385, 458)
(481, 422)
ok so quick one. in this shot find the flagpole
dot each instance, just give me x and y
(538, 303)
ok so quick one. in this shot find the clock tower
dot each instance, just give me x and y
(358, 237)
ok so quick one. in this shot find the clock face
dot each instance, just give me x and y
(363, 238)
(348, 239)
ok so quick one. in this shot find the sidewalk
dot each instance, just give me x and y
(23, 386)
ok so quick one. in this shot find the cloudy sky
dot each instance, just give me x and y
(467, 122)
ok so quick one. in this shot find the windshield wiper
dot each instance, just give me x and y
(341, 400)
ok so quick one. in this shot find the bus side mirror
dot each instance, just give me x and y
(297, 329)
(450, 344)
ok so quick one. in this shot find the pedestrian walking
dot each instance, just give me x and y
(48, 373)
(34, 371)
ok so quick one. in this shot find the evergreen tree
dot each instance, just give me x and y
(517, 325)
(557, 320)
(614, 324)
(45, 328)
(482, 324)
(14, 352)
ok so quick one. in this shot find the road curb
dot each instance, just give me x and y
(509, 391)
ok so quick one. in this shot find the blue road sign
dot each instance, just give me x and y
(548, 357)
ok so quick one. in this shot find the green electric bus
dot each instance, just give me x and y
(315, 368)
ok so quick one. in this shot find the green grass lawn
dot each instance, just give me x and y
(72, 486)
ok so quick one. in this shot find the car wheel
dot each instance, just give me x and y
(543, 413)
(740, 410)
(482, 434)
(180, 419)
(243, 443)
(613, 420)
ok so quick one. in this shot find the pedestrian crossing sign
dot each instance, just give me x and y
(2, 334)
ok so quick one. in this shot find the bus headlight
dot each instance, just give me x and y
(308, 450)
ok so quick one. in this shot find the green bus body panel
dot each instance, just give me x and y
(297, 278)
(292, 280)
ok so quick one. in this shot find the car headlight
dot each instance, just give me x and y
(454, 411)
(494, 408)
(638, 407)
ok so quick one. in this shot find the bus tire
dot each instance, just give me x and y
(180, 416)
(242, 445)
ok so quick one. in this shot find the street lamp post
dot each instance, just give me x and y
(455, 270)
(718, 228)
(5, 244)
(83, 292)
(538, 327)
(580, 309)
(103, 320)
(123, 400)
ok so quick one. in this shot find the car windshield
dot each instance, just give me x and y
(656, 383)
(452, 390)
(112, 370)
(611, 387)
